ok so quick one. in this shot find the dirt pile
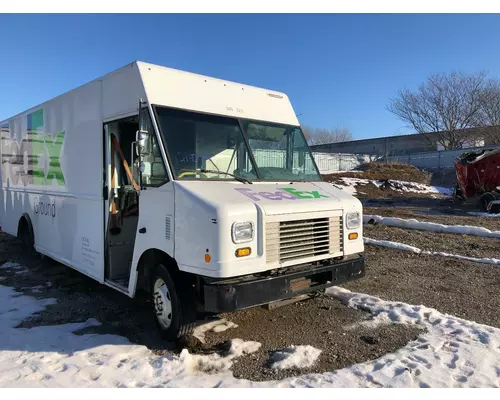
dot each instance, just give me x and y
(384, 171)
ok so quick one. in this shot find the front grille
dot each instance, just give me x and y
(294, 240)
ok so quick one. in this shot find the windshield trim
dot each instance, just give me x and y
(249, 149)
(246, 141)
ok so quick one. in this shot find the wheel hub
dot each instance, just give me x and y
(162, 303)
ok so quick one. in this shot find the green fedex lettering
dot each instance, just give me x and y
(35, 125)
(304, 195)
(37, 145)
(317, 195)
(54, 151)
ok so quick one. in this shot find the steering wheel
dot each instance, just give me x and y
(183, 174)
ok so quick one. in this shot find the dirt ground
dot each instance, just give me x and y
(320, 322)
(378, 171)
(461, 288)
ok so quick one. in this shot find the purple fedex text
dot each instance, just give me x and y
(282, 193)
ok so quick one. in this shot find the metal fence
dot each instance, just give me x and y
(327, 163)
(334, 162)
(435, 160)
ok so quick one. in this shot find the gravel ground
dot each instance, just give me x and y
(321, 322)
(78, 298)
(460, 288)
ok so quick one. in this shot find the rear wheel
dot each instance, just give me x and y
(25, 235)
(173, 303)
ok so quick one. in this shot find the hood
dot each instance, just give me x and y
(271, 198)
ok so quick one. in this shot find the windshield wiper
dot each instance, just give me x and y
(238, 178)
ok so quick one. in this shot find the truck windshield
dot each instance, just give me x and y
(205, 147)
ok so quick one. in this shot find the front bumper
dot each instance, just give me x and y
(237, 295)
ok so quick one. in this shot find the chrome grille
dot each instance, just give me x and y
(292, 240)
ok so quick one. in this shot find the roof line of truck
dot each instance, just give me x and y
(129, 65)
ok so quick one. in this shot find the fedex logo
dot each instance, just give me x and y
(280, 194)
(36, 160)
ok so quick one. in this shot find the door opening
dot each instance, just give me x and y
(122, 204)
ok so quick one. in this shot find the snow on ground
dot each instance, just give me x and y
(218, 325)
(295, 357)
(11, 265)
(412, 249)
(53, 356)
(413, 187)
(483, 214)
(452, 352)
(431, 226)
(196, 364)
(394, 245)
(349, 185)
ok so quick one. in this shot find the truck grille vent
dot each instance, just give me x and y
(293, 240)
(168, 223)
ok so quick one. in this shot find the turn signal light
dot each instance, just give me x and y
(353, 236)
(243, 252)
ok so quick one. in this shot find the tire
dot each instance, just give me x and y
(173, 304)
(25, 236)
(485, 199)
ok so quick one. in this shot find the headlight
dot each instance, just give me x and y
(242, 232)
(352, 220)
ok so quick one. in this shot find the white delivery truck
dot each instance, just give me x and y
(200, 191)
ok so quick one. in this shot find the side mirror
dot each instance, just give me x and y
(141, 139)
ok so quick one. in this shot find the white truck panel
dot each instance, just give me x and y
(189, 91)
(59, 184)
(121, 91)
(207, 210)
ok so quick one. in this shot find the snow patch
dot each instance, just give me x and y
(412, 249)
(349, 185)
(483, 214)
(431, 226)
(452, 353)
(217, 326)
(394, 245)
(52, 356)
(240, 347)
(11, 265)
(214, 363)
(295, 357)
(414, 187)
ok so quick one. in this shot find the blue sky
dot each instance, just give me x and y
(338, 70)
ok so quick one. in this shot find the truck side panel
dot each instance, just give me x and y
(52, 171)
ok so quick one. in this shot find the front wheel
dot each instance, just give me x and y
(173, 304)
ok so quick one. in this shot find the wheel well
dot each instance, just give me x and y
(146, 264)
(25, 223)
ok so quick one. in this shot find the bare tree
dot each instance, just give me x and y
(489, 114)
(445, 105)
(326, 136)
